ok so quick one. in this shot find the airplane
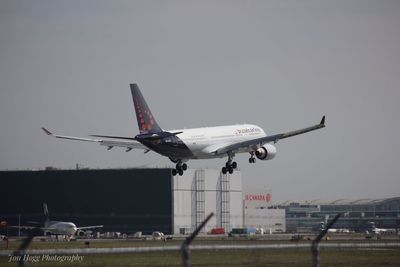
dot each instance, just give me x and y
(183, 145)
(67, 229)
(340, 230)
(374, 230)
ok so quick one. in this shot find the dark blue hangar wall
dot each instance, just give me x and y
(123, 200)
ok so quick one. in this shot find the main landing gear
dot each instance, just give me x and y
(230, 165)
(180, 168)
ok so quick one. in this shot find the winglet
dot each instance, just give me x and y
(322, 121)
(46, 131)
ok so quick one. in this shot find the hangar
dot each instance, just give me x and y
(124, 200)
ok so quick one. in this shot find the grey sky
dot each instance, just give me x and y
(281, 65)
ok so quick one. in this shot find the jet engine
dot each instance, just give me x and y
(266, 152)
(80, 233)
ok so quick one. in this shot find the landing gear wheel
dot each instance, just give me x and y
(234, 165)
(184, 166)
(230, 165)
(178, 167)
(252, 160)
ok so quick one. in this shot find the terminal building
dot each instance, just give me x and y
(124, 200)
(356, 215)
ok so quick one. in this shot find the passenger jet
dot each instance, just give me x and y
(67, 229)
(183, 145)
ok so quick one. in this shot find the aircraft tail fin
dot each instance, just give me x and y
(146, 122)
(45, 212)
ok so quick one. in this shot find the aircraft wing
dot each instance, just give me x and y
(258, 142)
(90, 227)
(25, 227)
(127, 142)
(32, 227)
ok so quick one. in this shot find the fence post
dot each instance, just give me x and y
(315, 243)
(24, 245)
(185, 245)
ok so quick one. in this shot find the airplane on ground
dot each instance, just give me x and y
(340, 230)
(183, 145)
(67, 229)
(374, 230)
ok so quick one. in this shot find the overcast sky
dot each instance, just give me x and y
(281, 65)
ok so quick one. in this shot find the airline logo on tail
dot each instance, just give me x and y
(145, 119)
(143, 125)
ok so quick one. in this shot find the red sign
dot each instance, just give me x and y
(268, 197)
(258, 197)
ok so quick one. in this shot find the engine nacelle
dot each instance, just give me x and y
(266, 152)
(80, 233)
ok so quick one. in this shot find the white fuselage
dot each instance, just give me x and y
(203, 141)
(60, 228)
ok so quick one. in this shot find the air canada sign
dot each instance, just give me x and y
(258, 197)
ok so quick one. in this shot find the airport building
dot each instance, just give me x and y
(199, 192)
(356, 215)
(148, 200)
(258, 213)
(124, 200)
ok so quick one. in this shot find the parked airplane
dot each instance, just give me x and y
(57, 227)
(340, 230)
(197, 143)
(371, 228)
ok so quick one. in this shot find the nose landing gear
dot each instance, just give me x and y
(252, 159)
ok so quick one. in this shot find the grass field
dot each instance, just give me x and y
(270, 257)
